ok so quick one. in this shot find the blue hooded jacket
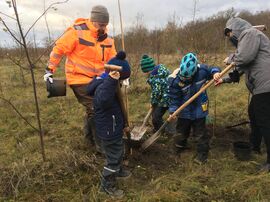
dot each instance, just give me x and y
(108, 116)
(180, 92)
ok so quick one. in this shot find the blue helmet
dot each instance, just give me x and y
(188, 66)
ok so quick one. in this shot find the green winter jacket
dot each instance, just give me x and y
(158, 80)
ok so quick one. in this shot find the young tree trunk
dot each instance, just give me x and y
(31, 67)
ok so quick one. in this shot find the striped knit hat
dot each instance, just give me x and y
(147, 63)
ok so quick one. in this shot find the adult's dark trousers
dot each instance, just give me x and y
(80, 91)
(200, 133)
(255, 135)
(260, 108)
(157, 116)
(113, 150)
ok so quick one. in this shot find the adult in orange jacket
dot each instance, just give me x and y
(87, 48)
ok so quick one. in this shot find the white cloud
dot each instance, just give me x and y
(155, 12)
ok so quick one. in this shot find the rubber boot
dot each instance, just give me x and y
(123, 173)
(201, 158)
(180, 143)
(108, 185)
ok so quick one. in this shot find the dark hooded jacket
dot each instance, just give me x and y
(180, 92)
(108, 116)
(252, 55)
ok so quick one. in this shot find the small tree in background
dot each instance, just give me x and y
(25, 46)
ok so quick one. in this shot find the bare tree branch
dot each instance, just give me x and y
(16, 62)
(10, 32)
(8, 16)
(47, 49)
(49, 7)
(46, 22)
(19, 113)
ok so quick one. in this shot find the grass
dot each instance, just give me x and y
(72, 170)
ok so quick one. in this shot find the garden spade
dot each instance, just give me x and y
(138, 131)
(156, 135)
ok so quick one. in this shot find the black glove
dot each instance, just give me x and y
(234, 76)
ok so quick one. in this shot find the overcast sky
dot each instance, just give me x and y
(155, 13)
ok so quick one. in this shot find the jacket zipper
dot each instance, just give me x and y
(113, 117)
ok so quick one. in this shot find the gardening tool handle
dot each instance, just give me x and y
(124, 111)
(260, 27)
(147, 117)
(199, 92)
(113, 67)
(122, 104)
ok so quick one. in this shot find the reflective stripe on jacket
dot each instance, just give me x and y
(85, 56)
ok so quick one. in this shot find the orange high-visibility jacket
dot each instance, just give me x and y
(85, 56)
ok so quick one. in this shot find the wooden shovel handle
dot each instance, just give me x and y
(199, 92)
(260, 27)
(113, 67)
(147, 117)
(120, 97)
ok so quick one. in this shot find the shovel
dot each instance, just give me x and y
(138, 131)
(156, 135)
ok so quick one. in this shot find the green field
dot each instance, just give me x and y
(72, 169)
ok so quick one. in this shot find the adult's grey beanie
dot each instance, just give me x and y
(100, 14)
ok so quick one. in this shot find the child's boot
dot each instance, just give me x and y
(123, 173)
(108, 185)
(180, 143)
(201, 158)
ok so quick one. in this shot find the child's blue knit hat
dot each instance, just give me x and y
(119, 60)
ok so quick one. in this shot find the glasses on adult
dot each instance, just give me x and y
(99, 25)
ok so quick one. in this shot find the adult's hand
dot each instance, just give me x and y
(226, 60)
(48, 76)
(218, 82)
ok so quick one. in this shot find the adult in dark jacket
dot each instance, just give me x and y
(109, 122)
(253, 58)
(183, 84)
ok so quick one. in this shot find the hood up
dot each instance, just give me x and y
(237, 25)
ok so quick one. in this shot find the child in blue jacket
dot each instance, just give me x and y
(183, 84)
(158, 80)
(109, 122)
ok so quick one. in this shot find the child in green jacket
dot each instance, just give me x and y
(158, 80)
